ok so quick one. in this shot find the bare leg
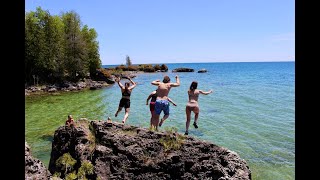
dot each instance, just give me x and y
(152, 120)
(188, 114)
(163, 119)
(196, 115)
(156, 120)
(126, 115)
(119, 109)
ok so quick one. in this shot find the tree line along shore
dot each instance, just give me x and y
(101, 78)
(63, 54)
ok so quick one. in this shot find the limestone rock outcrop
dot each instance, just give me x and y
(119, 151)
(34, 168)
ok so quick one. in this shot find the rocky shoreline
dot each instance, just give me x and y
(111, 150)
(34, 168)
(85, 84)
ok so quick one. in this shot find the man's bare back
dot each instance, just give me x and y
(162, 102)
(163, 90)
(164, 87)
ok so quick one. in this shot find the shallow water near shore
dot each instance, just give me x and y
(251, 112)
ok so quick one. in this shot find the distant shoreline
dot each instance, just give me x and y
(87, 84)
(206, 62)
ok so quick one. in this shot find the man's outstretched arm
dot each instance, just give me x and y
(156, 82)
(177, 82)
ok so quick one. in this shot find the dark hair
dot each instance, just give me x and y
(166, 79)
(194, 85)
(126, 84)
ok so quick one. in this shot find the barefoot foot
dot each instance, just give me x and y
(160, 124)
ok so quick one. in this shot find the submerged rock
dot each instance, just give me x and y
(120, 151)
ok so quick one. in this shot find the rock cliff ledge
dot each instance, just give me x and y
(119, 151)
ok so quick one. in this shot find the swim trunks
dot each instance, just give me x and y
(162, 105)
(152, 106)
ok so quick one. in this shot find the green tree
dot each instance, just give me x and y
(92, 48)
(57, 48)
(34, 45)
(59, 52)
(54, 51)
(43, 45)
(75, 51)
(128, 61)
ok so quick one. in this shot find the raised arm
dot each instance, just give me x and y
(205, 93)
(133, 84)
(117, 79)
(156, 82)
(177, 83)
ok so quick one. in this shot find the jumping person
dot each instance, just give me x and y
(153, 97)
(162, 102)
(125, 99)
(192, 105)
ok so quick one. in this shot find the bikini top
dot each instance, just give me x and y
(126, 93)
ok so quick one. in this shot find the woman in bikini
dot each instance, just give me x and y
(125, 99)
(192, 105)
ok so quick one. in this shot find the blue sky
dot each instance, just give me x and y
(169, 31)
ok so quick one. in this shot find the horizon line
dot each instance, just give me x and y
(204, 62)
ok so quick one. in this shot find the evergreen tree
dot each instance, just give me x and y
(128, 61)
(34, 43)
(92, 48)
(75, 51)
(57, 48)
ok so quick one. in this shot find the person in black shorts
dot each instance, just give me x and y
(125, 100)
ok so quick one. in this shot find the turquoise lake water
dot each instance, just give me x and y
(251, 112)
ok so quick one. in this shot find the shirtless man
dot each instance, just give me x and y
(153, 97)
(162, 103)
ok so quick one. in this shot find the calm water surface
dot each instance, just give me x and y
(251, 112)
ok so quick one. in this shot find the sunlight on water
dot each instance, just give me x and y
(250, 112)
